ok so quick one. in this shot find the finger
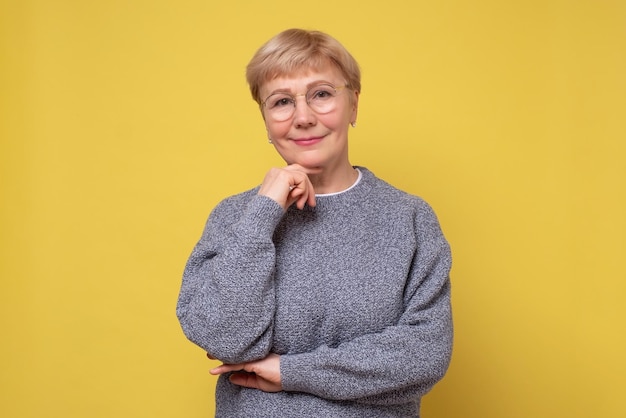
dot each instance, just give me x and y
(302, 200)
(301, 178)
(225, 368)
(279, 184)
(303, 193)
(311, 197)
(248, 380)
(210, 357)
(296, 194)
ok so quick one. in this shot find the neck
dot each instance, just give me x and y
(334, 181)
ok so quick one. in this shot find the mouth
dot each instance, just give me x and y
(308, 141)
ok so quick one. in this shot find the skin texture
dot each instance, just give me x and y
(316, 143)
(315, 148)
(262, 374)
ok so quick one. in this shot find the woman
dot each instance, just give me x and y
(324, 291)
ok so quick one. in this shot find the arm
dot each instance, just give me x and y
(393, 366)
(226, 301)
(402, 361)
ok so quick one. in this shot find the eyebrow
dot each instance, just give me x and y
(308, 86)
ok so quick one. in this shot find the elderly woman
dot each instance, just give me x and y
(324, 291)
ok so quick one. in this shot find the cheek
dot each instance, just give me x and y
(277, 130)
(344, 115)
(335, 121)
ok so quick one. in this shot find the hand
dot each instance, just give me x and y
(289, 185)
(261, 374)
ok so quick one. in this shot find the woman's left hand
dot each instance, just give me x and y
(261, 374)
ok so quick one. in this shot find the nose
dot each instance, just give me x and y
(303, 115)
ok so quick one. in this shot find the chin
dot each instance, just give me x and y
(311, 168)
(313, 164)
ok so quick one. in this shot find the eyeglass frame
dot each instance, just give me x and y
(293, 96)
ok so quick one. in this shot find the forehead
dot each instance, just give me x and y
(300, 81)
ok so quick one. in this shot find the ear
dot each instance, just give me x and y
(355, 106)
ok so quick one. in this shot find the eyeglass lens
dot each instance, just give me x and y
(320, 98)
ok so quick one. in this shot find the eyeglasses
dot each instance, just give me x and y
(321, 98)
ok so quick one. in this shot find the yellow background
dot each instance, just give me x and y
(124, 122)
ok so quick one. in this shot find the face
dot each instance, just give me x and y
(318, 142)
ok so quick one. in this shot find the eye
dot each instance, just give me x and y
(276, 101)
(321, 93)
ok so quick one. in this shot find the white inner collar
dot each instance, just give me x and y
(358, 179)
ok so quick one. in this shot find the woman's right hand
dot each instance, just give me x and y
(288, 185)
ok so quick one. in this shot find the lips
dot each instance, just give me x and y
(307, 141)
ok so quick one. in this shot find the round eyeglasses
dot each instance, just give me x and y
(321, 98)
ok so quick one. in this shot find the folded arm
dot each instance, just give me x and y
(226, 303)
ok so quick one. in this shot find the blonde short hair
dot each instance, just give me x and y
(299, 50)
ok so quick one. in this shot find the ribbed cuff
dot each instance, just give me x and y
(261, 216)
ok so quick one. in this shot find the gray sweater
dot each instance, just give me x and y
(354, 294)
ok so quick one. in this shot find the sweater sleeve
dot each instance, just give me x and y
(402, 361)
(226, 303)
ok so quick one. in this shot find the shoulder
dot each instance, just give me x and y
(232, 206)
(392, 205)
(385, 195)
(239, 199)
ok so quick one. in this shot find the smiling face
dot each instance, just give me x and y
(316, 141)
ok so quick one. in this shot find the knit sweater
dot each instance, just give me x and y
(353, 294)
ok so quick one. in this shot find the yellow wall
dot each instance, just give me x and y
(124, 122)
